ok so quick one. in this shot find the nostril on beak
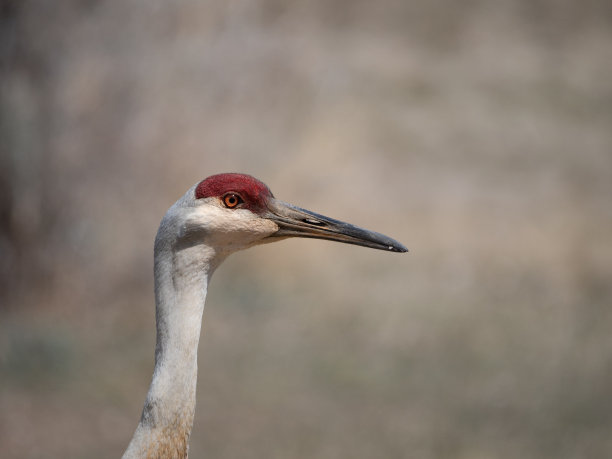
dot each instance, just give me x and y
(312, 221)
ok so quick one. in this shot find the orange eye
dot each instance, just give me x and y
(231, 200)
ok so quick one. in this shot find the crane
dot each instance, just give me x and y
(220, 215)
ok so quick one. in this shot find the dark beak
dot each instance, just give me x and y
(294, 221)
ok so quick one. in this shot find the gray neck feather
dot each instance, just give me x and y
(182, 271)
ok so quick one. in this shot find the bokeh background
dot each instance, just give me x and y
(478, 133)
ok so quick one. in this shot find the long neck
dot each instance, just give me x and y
(181, 280)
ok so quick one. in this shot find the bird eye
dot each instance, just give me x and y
(231, 200)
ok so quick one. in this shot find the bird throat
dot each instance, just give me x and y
(181, 281)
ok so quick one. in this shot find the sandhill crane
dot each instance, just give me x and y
(216, 217)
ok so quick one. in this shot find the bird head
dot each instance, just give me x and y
(233, 211)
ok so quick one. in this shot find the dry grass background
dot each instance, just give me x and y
(478, 133)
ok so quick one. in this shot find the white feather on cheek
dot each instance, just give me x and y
(222, 228)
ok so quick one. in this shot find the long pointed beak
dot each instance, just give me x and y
(294, 221)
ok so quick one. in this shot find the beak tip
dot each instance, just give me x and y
(398, 248)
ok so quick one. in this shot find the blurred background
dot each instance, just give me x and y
(478, 133)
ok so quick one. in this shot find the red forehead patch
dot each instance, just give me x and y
(254, 192)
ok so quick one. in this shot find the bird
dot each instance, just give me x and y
(216, 217)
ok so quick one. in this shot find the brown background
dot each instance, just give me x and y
(478, 133)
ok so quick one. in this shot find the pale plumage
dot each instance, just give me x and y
(218, 216)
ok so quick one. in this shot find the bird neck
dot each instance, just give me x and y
(181, 281)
